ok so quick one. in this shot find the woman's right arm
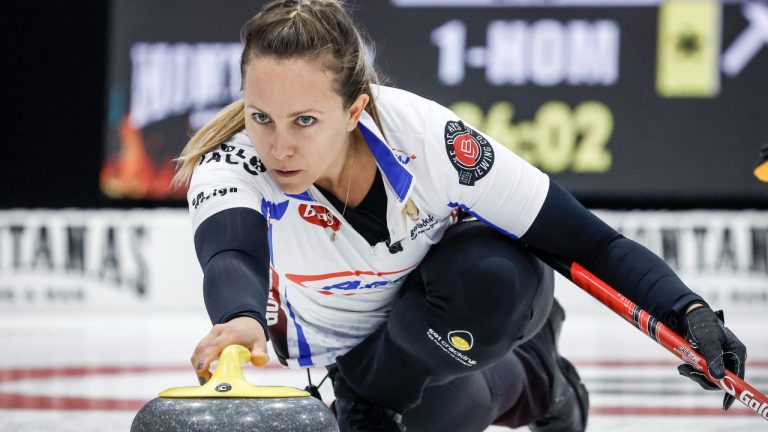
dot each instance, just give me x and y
(232, 249)
(226, 194)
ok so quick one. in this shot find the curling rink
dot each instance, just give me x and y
(660, 104)
(92, 372)
(100, 311)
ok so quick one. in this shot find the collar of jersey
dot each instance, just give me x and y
(396, 174)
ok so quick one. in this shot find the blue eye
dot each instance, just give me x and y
(305, 120)
(260, 117)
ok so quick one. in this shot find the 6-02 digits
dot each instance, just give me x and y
(557, 139)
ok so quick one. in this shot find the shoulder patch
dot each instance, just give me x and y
(470, 153)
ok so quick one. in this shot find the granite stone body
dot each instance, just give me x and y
(295, 414)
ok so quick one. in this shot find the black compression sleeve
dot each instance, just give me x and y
(233, 252)
(564, 227)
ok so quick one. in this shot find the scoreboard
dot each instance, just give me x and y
(639, 102)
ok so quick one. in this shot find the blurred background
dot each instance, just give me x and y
(652, 113)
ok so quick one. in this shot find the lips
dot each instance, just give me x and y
(282, 173)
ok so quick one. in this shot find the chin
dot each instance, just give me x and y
(293, 188)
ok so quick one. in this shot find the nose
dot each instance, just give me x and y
(282, 147)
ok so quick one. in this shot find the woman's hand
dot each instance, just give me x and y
(720, 347)
(241, 330)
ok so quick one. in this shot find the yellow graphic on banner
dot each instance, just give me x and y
(688, 49)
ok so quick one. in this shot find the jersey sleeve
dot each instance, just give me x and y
(567, 229)
(483, 178)
(490, 182)
(230, 176)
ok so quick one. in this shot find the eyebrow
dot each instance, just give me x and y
(293, 114)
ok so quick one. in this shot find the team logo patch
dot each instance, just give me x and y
(470, 153)
(320, 216)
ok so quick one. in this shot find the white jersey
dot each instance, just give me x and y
(329, 287)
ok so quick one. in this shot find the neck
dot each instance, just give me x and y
(356, 175)
(337, 181)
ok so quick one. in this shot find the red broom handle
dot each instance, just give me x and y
(656, 330)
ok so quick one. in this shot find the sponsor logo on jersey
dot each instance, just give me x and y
(402, 156)
(422, 226)
(458, 342)
(227, 154)
(461, 340)
(320, 216)
(276, 319)
(350, 282)
(216, 192)
(470, 153)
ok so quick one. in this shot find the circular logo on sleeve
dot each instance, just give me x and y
(470, 153)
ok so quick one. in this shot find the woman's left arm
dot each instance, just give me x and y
(487, 180)
(564, 227)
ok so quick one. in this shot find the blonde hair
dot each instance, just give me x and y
(287, 29)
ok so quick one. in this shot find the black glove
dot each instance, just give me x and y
(719, 346)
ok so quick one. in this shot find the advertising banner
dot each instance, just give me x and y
(620, 101)
(131, 260)
(97, 260)
(722, 255)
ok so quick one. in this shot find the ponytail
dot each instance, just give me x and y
(224, 125)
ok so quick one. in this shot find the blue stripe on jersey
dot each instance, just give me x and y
(274, 211)
(480, 218)
(304, 196)
(305, 353)
(397, 175)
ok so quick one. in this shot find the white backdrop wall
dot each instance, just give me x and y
(97, 260)
(143, 260)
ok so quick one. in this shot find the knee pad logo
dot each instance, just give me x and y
(461, 340)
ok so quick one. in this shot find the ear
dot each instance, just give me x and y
(356, 110)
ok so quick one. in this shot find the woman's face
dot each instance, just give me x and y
(296, 121)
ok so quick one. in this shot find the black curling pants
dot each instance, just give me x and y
(446, 356)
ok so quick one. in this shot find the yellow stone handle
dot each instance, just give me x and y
(228, 381)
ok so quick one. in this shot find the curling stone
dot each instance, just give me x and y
(228, 403)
